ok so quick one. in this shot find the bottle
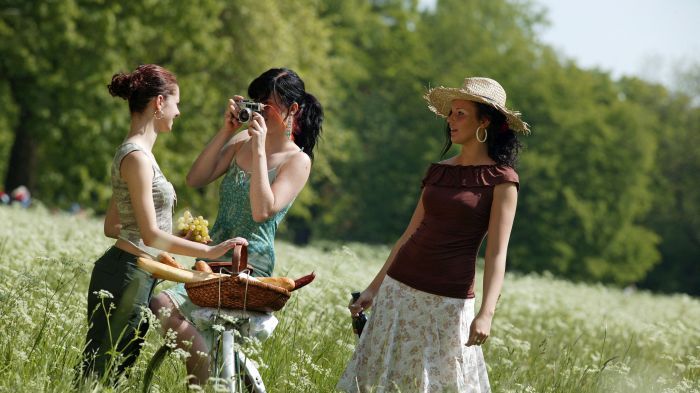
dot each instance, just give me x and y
(358, 322)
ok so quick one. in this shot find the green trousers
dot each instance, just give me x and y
(119, 291)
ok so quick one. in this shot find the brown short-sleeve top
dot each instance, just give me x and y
(440, 256)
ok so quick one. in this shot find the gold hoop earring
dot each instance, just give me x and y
(486, 134)
(158, 117)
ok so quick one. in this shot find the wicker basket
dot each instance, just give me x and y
(236, 292)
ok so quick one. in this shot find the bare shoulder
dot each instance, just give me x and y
(135, 159)
(135, 164)
(300, 158)
(296, 162)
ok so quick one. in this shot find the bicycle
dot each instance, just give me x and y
(226, 362)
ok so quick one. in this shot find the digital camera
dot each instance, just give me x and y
(246, 109)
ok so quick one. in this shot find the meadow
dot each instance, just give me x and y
(549, 335)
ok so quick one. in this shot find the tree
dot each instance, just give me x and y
(675, 211)
(57, 60)
(59, 56)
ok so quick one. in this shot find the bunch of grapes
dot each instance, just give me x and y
(197, 227)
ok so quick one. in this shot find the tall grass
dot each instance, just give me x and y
(549, 335)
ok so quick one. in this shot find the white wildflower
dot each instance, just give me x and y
(165, 312)
(103, 294)
(181, 354)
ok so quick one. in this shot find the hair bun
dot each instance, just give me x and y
(121, 85)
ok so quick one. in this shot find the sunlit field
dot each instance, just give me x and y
(549, 335)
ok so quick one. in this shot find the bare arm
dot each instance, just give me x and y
(112, 226)
(137, 171)
(267, 199)
(365, 299)
(216, 157)
(505, 200)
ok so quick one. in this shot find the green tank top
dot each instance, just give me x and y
(235, 218)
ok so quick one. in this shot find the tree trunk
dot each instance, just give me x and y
(22, 165)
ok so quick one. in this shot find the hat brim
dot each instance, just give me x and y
(440, 101)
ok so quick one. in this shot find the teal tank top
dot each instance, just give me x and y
(235, 219)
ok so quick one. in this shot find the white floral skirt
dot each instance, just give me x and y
(414, 342)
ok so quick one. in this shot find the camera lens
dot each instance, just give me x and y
(244, 115)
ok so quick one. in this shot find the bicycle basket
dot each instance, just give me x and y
(237, 292)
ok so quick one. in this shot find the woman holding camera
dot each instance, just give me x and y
(139, 216)
(422, 335)
(264, 169)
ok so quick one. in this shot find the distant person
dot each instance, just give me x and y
(422, 335)
(21, 196)
(264, 168)
(139, 216)
(5, 198)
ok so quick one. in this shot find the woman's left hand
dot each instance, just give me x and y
(479, 330)
(257, 129)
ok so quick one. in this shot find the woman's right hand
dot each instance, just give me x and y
(362, 303)
(231, 122)
(223, 247)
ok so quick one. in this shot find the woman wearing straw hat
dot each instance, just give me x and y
(423, 335)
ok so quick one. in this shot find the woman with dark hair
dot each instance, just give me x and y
(264, 169)
(422, 335)
(139, 217)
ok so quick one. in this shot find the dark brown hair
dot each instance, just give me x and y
(140, 86)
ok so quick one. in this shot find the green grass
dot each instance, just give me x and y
(549, 335)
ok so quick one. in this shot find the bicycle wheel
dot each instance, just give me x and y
(249, 374)
(244, 376)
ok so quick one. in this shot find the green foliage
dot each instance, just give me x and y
(601, 150)
(675, 204)
(591, 163)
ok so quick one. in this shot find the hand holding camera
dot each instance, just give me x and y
(246, 108)
(240, 111)
(257, 129)
(231, 122)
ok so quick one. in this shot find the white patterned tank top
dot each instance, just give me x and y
(164, 197)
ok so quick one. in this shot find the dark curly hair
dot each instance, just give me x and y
(503, 144)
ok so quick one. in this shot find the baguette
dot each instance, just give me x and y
(166, 272)
(303, 281)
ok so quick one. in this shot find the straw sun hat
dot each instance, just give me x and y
(484, 90)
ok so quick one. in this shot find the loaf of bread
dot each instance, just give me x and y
(202, 266)
(287, 283)
(282, 282)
